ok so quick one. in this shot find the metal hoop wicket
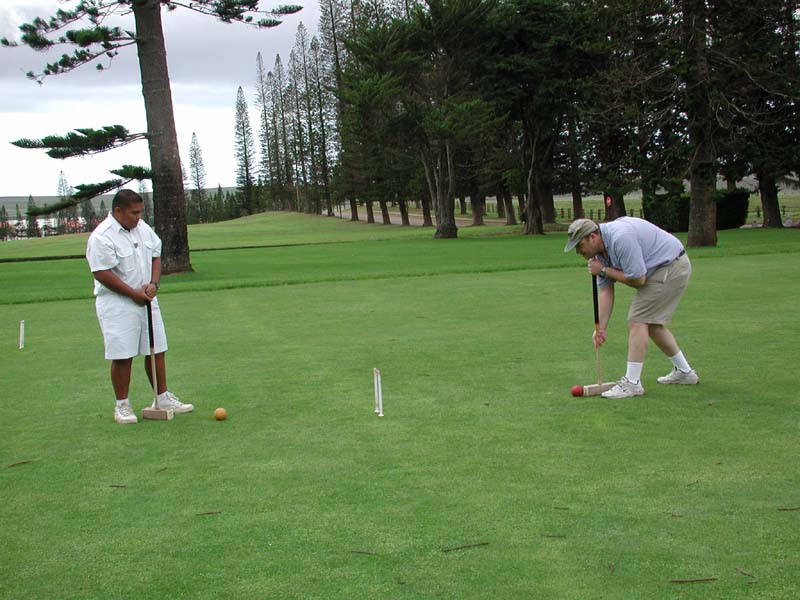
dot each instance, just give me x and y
(376, 374)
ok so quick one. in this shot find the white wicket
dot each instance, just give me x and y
(21, 334)
(378, 392)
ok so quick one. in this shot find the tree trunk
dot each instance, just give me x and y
(614, 205)
(540, 138)
(403, 212)
(574, 172)
(446, 201)
(511, 219)
(353, 209)
(477, 202)
(385, 212)
(440, 175)
(577, 201)
(533, 212)
(370, 213)
(427, 220)
(544, 189)
(702, 178)
(768, 190)
(169, 200)
(501, 207)
(462, 203)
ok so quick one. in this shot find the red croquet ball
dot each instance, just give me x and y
(577, 390)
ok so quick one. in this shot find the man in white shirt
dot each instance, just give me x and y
(124, 255)
(638, 254)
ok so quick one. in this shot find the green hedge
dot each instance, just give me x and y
(732, 208)
(671, 212)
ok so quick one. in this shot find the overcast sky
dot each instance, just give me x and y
(208, 61)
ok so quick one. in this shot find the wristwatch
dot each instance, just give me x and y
(155, 283)
(603, 272)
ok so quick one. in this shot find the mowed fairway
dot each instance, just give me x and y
(485, 479)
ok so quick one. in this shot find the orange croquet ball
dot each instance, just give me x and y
(220, 414)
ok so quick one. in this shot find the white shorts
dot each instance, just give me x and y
(124, 327)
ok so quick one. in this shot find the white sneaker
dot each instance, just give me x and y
(123, 413)
(678, 376)
(175, 404)
(624, 389)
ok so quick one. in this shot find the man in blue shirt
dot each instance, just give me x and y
(638, 254)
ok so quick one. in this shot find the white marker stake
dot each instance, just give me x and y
(378, 392)
(21, 334)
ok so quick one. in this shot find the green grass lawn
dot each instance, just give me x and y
(264, 229)
(304, 493)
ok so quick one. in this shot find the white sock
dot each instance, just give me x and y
(634, 372)
(680, 362)
(121, 402)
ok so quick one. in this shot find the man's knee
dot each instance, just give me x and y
(121, 365)
(635, 326)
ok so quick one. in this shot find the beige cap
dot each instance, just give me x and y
(578, 230)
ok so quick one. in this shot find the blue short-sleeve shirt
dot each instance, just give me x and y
(636, 247)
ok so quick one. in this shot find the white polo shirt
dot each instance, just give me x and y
(128, 254)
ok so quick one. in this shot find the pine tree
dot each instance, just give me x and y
(197, 176)
(298, 128)
(218, 206)
(302, 48)
(281, 109)
(6, 231)
(19, 225)
(324, 110)
(89, 215)
(265, 134)
(99, 41)
(147, 212)
(32, 223)
(67, 217)
(245, 154)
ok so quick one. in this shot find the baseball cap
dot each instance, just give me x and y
(578, 230)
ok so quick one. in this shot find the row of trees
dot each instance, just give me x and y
(435, 99)
(439, 99)
(74, 218)
(65, 221)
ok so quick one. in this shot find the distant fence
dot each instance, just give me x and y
(790, 215)
(793, 214)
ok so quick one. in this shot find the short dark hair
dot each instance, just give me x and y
(124, 198)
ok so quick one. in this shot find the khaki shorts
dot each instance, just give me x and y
(124, 327)
(656, 301)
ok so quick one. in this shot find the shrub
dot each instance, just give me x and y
(668, 211)
(671, 212)
(732, 208)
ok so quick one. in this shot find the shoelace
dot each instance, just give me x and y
(125, 410)
(170, 402)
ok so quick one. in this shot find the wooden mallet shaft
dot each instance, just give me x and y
(154, 412)
(596, 330)
(599, 387)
